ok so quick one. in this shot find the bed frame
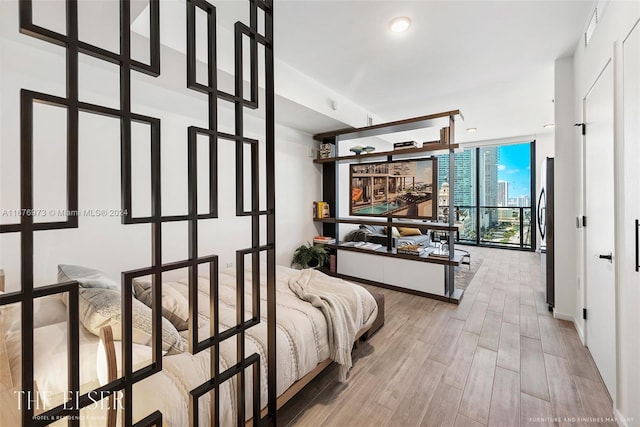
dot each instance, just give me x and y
(106, 336)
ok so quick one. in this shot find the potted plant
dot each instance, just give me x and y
(310, 256)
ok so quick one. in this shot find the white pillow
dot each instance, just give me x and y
(175, 300)
(50, 361)
(175, 305)
(46, 311)
(142, 356)
(101, 307)
(86, 277)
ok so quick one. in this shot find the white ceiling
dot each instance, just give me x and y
(452, 46)
(491, 59)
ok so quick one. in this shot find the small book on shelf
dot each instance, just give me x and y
(416, 252)
(371, 246)
(406, 144)
(410, 249)
(445, 135)
(321, 210)
(325, 240)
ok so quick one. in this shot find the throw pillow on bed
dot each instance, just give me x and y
(86, 277)
(101, 307)
(175, 299)
(175, 305)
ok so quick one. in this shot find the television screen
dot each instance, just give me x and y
(402, 188)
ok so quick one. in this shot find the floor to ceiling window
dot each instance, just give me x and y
(493, 194)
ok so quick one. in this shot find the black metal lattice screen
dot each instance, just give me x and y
(27, 227)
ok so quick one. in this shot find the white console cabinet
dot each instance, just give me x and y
(418, 276)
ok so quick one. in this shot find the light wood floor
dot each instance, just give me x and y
(498, 359)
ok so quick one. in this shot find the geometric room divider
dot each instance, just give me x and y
(241, 102)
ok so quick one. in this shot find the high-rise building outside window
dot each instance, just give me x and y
(503, 193)
(492, 194)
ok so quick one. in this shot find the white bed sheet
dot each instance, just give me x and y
(301, 338)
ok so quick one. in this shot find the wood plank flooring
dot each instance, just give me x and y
(498, 359)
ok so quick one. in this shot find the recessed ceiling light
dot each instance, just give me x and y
(549, 125)
(398, 25)
(472, 129)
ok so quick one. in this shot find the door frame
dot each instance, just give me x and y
(583, 243)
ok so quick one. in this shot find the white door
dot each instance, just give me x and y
(599, 232)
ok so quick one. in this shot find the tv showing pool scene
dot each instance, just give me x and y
(402, 189)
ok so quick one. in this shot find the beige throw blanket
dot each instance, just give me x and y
(341, 307)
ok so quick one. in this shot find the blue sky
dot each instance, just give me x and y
(515, 167)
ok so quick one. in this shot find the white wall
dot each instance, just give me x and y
(103, 242)
(290, 82)
(566, 194)
(605, 44)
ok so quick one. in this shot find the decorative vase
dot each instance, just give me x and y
(357, 149)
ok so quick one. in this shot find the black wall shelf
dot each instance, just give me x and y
(331, 178)
(425, 225)
(420, 122)
(428, 147)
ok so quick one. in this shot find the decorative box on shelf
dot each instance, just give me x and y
(326, 151)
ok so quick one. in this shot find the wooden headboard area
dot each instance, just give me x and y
(1, 280)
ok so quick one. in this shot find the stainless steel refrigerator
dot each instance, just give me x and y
(545, 226)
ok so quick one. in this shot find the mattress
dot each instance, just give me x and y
(301, 339)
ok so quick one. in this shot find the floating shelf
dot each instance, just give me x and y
(391, 127)
(394, 254)
(428, 225)
(427, 147)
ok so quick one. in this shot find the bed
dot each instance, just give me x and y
(303, 347)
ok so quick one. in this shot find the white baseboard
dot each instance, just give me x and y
(580, 331)
(563, 316)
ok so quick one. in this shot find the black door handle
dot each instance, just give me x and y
(637, 245)
(541, 214)
(608, 256)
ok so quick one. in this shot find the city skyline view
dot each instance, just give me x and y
(515, 168)
(509, 163)
(492, 194)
